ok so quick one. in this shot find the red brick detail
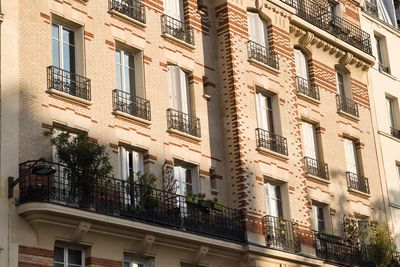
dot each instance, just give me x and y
(35, 251)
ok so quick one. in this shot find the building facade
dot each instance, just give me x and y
(255, 117)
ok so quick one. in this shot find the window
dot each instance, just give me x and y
(318, 217)
(213, 180)
(334, 8)
(187, 178)
(340, 84)
(265, 114)
(351, 156)
(178, 82)
(63, 46)
(381, 51)
(273, 199)
(257, 28)
(130, 261)
(301, 62)
(391, 112)
(309, 140)
(174, 9)
(129, 72)
(68, 257)
(131, 162)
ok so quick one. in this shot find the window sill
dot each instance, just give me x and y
(308, 98)
(264, 150)
(359, 193)
(347, 115)
(134, 21)
(264, 66)
(69, 97)
(169, 36)
(389, 136)
(131, 117)
(318, 179)
(387, 74)
(176, 132)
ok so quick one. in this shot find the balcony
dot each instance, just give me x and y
(318, 15)
(383, 68)
(347, 106)
(336, 250)
(126, 200)
(316, 168)
(357, 182)
(177, 29)
(69, 83)
(132, 105)
(133, 9)
(184, 123)
(306, 88)
(281, 234)
(395, 132)
(271, 141)
(261, 54)
(371, 7)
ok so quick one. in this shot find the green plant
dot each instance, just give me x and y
(193, 199)
(142, 190)
(380, 245)
(218, 206)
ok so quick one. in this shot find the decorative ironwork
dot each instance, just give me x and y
(67, 82)
(263, 55)
(271, 141)
(395, 132)
(347, 105)
(306, 88)
(177, 29)
(131, 8)
(383, 68)
(281, 234)
(132, 105)
(183, 122)
(319, 15)
(357, 182)
(169, 182)
(316, 168)
(128, 200)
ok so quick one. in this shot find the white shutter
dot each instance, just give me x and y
(139, 74)
(180, 177)
(262, 32)
(309, 140)
(123, 163)
(174, 9)
(389, 106)
(301, 64)
(184, 92)
(271, 200)
(261, 103)
(137, 162)
(168, 5)
(314, 218)
(174, 86)
(351, 157)
(252, 25)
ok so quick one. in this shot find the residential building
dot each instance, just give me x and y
(261, 107)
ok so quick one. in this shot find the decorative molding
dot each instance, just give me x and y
(80, 231)
(146, 244)
(200, 255)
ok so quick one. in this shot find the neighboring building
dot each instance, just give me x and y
(380, 20)
(262, 106)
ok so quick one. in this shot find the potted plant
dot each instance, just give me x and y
(192, 199)
(218, 206)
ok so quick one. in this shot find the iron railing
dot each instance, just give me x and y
(335, 249)
(319, 16)
(305, 87)
(281, 234)
(131, 8)
(271, 141)
(357, 182)
(316, 168)
(67, 82)
(177, 29)
(395, 132)
(383, 68)
(131, 201)
(371, 7)
(183, 122)
(347, 105)
(132, 105)
(263, 55)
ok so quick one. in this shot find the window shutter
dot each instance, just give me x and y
(389, 106)
(351, 158)
(137, 162)
(195, 181)
(383, 12)
(261, 103)
(262, 32)
(184, 92)
(309, 140)
(301, 64)
(314, 218)
(252, 26)
(174, 9)
(340, 84)
(174, 86)
(139, 74)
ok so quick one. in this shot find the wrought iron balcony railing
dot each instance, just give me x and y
(281, 234)
(131, 201)
(357, 182)
(334, 249)
(263, 55)
(371, 7)
(347, 105)
(395, 132)
(131, 8)
(306, 88)
(383, 68)
(132, 105)
(316, 168)
(183, 122)
(271, 141)
(319, 16)
(177, 29)
(67, 82)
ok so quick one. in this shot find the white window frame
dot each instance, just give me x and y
(352, 162)
(66, 249)
(60, 42)
(174, 9)
(269, 198)
(137, 89)
(316, 209)
(178, 83)
(265, 113)
(390, 106)
(257, 29)
(301, 62)
(137, 157)
(310, 142)
(180, 171)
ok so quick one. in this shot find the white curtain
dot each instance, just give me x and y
(257, 28)
(273, 200)
(314, 218)
(174, 9)
(178, 84)
(301, 64)
(309, 140)
(351, 157)
(262, 116)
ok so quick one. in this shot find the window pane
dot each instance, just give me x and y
(74, 256)
(126, 264)
(68, 37)
(55, 31)
(58, 264)
(68, 58)
(58, 254)
(56, 53)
